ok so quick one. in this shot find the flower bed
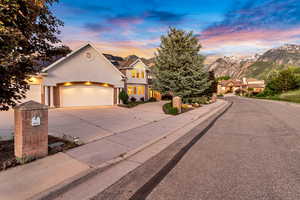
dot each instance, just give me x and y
(8, 159)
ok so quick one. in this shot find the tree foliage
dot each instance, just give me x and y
(179, 68)
(213, 88)
(221, 78)
(281, 81)
(124, 97)
(28, 34)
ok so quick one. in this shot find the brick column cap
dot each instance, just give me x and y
(31, 105)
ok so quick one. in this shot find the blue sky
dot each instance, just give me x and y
(224, 27)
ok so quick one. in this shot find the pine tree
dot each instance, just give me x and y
(179, 68)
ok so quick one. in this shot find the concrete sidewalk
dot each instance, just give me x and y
(55, 171)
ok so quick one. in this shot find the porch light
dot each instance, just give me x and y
(33, 80)
(88, 83)
(67, 84)
(105, 85)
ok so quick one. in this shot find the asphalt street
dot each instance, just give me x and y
(251, 152)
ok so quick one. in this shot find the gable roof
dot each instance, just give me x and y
(77, 50)
(129, 63)
(235, 83)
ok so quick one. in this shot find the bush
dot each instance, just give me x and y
(199, 100)
(142, 99)
(282, 81)
(298, 81)
(168, 109)
(267, 92)
(124, 97)
(133, 99)
(152, 99)
(166, 97)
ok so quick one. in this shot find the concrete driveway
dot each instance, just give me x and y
(92, 123)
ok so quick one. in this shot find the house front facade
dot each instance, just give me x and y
(86, 77)
(244, 85)
(136, 83)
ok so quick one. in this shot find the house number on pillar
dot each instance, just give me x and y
(35, 121)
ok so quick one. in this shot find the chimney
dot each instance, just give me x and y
(244, 80)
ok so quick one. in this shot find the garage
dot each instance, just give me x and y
(86, 95)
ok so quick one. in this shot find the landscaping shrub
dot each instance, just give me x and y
(142, 99)
(298, 81)
(133, 99)
(199, 100)
(152, 99)
(267, 92)
(168, 109)
(124, 97)
(166, 97)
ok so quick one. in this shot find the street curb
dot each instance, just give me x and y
(83, 176)
(294, 104)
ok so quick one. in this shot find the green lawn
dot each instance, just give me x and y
(291, 96)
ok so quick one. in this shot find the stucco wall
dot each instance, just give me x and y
(81, 67)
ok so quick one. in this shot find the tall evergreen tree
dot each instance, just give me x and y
(179, 68)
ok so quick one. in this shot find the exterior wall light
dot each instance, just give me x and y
(33, 80)
(88, 83)
(67, 84)
(105, 85)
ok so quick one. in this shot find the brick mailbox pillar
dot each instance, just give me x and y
(214, 98)
(31, 130)
(177, 103)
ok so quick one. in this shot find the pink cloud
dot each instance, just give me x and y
(260, 37)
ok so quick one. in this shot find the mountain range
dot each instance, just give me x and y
(256, 66)
(259, 65)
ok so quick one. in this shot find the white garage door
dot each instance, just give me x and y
(86, 95)
(34, 93)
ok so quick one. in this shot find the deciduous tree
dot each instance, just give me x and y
(28, 33)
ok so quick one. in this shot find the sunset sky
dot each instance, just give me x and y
(224, 27)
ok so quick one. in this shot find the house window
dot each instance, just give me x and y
(133, 73)
(129, 90)
(134, 90)
(143, 74)
(141, 90)
(138, 75)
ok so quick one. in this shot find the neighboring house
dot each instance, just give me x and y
(234, 85)
(253, 84)
(229, 86)
(86, 77)
(138, 79)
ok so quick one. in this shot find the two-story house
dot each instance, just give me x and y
(87, 77)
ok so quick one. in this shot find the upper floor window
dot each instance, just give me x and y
(133, 73)
(137, 74)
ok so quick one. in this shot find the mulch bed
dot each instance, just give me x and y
(7, 155)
